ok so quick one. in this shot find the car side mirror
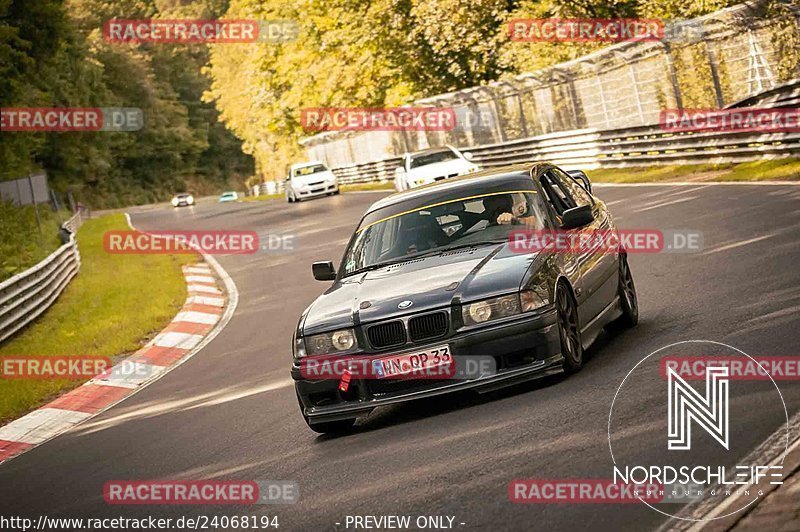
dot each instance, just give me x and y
(468, 155)
(323, 271)
(582, 179)
(577, 217)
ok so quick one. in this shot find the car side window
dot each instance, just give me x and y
(578, 193)
(558, 195)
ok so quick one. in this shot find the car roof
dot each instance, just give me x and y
(491, 180)
(181, 194)
(431, 150)
(303, 165)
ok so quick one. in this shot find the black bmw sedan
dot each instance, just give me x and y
(433, 294)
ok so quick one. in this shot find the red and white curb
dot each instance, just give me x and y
(204, 314)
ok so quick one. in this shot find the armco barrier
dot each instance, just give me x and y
(28, 294)
(616, 148)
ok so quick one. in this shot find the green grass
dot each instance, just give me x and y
(21, 245)
(767, 170)
(112, 307)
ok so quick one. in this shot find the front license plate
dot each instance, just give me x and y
(436, 362)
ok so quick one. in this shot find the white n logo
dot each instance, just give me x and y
(686, 404)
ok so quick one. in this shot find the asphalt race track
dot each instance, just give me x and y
(231, 413)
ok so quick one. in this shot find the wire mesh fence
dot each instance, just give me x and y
(713, 61)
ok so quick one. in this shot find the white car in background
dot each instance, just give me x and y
(429, 166)
(309, 180)
(182, 200)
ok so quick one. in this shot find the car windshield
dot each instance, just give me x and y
(463, 222)
(308, 170)
(431, 158)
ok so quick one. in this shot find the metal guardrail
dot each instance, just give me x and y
(616, 148)
(28, 294)
(74, 223)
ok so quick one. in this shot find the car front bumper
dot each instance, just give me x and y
(319, 190)
(525, 348)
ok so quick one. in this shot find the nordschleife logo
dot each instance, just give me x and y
(709, 411)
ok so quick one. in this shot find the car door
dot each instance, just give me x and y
(598, 266)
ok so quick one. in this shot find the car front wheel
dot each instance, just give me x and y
(568, 329)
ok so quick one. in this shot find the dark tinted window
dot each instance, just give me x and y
(557, 193)
(578, 193)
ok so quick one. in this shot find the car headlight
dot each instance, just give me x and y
(321, 344)
(190, 200)
(299, 348)
(174, 202)
(501, 307)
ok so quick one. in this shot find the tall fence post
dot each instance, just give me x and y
(673, 76)
(712, 62)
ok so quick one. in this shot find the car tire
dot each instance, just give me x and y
(569, 330)
(627, 296)
(336, 192)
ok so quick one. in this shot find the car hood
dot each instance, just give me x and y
(439, 169)
(428, 283)
(312, 178)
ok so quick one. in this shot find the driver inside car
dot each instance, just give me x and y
(501, 209)
(419, 232)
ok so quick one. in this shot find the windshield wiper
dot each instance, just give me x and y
(378, 266)
(438, 251)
